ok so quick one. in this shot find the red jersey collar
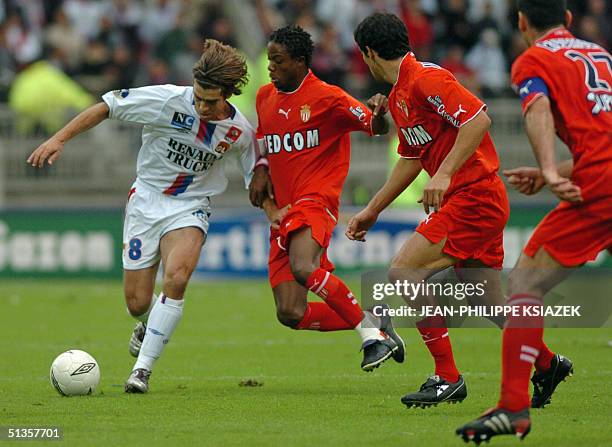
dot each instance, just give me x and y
(307, 77)
(555, 33)
(404, 63)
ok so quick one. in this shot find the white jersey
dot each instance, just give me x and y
(180, 155)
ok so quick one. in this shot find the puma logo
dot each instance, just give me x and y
(441, 389)
(282, 112)
(459, 112)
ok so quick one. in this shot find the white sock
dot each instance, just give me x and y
(145, 316)
(163, 320)
(369, 328)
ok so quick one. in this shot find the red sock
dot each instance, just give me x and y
(521, 344)
(543, 361)
(321, 317)
(335, 293)
(435, 335)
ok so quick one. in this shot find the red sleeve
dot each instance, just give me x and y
(526, 75)
(439, 91)
(260, 93)
(524, 67)
(351, 115)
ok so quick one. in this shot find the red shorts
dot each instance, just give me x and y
(574, 234)
(305, 213)
(472, 220)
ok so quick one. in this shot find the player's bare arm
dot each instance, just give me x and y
(260, 187)
(529, 180)
(51, 149)
(404, 173)
(540, 128)
(379, 105)
(468, 138)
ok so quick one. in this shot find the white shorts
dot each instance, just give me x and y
(149, 215)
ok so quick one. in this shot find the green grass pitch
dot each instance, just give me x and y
(313, 393)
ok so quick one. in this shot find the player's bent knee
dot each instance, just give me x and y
(137, 304)
(289, 317)
(176, 279)
(400, 273)
(522, 281)
(302, 272)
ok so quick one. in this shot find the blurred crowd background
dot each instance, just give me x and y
(100, 45)
(58, 56)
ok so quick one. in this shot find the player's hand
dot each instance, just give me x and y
(378, 104)
(434, 192)
(525, 180)
(260, 186)
(360, 223)
(50, 151)
(563, 187)
(276, 216)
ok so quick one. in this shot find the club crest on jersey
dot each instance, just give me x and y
(232, 134)
(305, 113)
(403, 107)
(222, 147)
(182, 121)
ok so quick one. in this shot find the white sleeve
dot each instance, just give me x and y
(248, 155)
(141, 105)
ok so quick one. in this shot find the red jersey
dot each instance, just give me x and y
(576, 75)
(306, 135)
(429, 106)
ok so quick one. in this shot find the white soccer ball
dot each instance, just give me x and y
(74, 373)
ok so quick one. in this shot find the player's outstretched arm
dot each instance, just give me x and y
(404, 173)
(468, 138)
(526, 180)
(529, 181)
(540, 128)
(51, 149)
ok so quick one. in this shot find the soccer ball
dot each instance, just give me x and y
(74, 373)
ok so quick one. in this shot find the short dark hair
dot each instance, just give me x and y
(543, 14)
(384, 33)
(297, 42)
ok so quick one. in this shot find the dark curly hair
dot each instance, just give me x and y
(297, 42)
(543, 14)
(384, 33)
